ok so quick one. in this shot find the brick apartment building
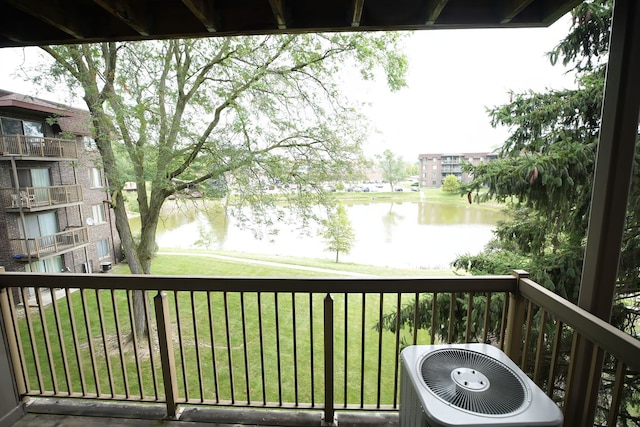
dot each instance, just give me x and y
(434, 168)
(53, 215)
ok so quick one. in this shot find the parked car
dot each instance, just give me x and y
(399, 189)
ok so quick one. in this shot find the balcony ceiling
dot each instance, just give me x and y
(34, 22)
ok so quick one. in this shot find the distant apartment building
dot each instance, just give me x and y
(434, 168)
(54, 209)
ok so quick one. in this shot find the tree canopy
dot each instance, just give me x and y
(450, 184)
(251, 110)
(393, 168)
(338, 232)
(246, 111)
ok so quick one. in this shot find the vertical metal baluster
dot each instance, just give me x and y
(554, 357)
(107, 356)
(452, 316)
(362, 341)
(92, 353)
(434, 308)
(63, 350)
(616, 394)
(467, 333)
(416, 309)
(185, 381)
(196, 336)
(229, 355)
(329, 413)
(279, 366)
(346, 349)
(380, 315)
(595, 365)
(47, 341)
(213, 349)
(295, 349)
(246, 350)
(36, 357)
(76, 343)
(147, 311)
(503, 322)
(123, 362)
(261, 337)
(570, 371)
(487, 316)
(134, 338)
(527, 335)
(397, 352)
(540, 347)
(311, 351)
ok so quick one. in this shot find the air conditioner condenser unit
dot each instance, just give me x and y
(469, 385)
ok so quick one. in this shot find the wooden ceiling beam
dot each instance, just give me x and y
(358, 6)
(512, 8)
(434, 9)
(277, 6)
(53, 13)
(203, 10)
(133, 13)
(556, 9)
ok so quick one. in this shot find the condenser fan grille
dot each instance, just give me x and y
(473, 382)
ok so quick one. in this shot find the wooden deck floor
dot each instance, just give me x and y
(64, 413)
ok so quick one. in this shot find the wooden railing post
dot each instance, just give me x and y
(12, 385)
(329, 416)
(515, 320)
(167, 356)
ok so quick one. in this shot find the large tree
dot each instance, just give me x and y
(251, 111)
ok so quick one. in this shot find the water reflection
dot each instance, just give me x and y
(415, 235)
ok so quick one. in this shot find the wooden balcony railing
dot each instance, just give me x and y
(49, 245)
(37, 198)
(37, 146)
(288, 343)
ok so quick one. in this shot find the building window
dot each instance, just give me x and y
(103, 248)
(482, 159)
(433, 183)
(20, 127)
(435, 167)
(95, 178)
(99, 216)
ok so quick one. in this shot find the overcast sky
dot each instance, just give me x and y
(453, 76)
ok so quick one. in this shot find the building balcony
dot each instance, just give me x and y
(34, 248)
(303, 347)
(33, 199)
(451, 169)
(37, 147)
(452, 160)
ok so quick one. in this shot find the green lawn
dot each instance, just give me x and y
(255, 336)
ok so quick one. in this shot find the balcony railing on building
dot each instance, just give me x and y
(49, 245)
(40, 198)
(37, 146)
(324, 344)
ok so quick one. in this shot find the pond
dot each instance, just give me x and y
(405, 235)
